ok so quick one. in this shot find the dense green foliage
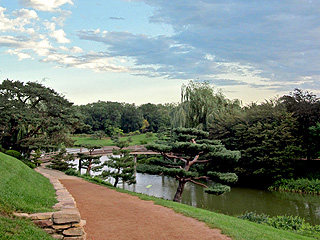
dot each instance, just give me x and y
(112, 117)
(61, 161)
(183, 156)
(34, 117)
(120, 164)
(267, 138)
(23, 189)
(305, 106)
(301, 185)
(289, 223)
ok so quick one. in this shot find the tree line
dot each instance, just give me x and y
(271, 136)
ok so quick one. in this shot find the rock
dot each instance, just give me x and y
(41, 216)
(66, 216)
(76, 238)
(57, 236)
(80, 224)
(25, 215)
(49, 230)
(74, 231)
(62, 227)
(43, 223)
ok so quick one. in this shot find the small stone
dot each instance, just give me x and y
(41, 216)
(75, 238)
(25, 215)
(80, 224)
(60, 227)
(49, 230)
(43, 223)
(57, 236)
(74, 231)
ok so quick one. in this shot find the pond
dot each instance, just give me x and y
(236, 202)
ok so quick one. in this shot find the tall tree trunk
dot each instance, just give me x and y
(80, 165)
(89, 167)
(177, 197)
(116, 180)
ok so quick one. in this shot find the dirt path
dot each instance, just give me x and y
(112, 215)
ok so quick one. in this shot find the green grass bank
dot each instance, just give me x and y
(22, 190)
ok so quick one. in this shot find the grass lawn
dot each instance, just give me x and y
(22, 190)
(20, 229)
(136, 140)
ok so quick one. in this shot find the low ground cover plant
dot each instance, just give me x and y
(301, 185)
(289, 223)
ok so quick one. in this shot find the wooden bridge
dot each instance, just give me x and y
(107, 150)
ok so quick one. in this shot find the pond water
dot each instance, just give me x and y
(236, 202)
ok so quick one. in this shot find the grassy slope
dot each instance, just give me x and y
(108, 142)
(22, 189)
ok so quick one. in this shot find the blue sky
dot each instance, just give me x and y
(141, 51)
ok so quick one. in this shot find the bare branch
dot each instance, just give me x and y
(172, 166)
(173, 156)
(202, 161)
(201, 184)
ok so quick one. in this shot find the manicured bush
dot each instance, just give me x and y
(14, 154)
(218, 189)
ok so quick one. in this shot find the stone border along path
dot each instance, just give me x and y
(111, 215)
(65, 223)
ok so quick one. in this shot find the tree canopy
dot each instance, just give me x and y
(182, 155)
(34, 117)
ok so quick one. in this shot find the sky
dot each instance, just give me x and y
(141, 51)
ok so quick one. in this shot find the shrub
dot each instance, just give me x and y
(14, 154)
(289, 223)
(301, 185)
(72, 172)
(134, 133)
(253, 217)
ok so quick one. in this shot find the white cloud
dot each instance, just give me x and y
(45, 5)
(21, 55)
(74, 49)
(60, 36)
(24, 17)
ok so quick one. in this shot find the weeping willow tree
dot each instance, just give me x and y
(200, 105)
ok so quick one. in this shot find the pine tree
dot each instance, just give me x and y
(183, 156)
(120, 164)
(89, 161)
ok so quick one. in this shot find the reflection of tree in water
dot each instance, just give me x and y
(303, 203)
